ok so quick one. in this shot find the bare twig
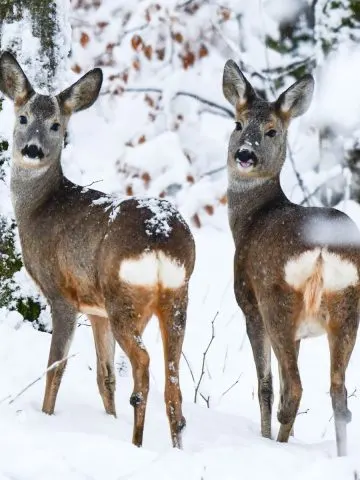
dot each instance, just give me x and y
(231, 386)
(299, 179)
(204, 356)
(304, 412)
(92, 183)
(49, 369)
(189, 367)
(318, 188)
(212, 172)
(206, 399)
(225, 359)
(184, 4)
(229, 113)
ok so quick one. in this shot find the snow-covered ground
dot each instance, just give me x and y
(220, 442)
(171, 139)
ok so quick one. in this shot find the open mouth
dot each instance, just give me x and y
(246, 159)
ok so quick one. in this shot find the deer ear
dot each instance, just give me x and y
(83, 93)
(237, 90)
(297, 98)
(13, 81)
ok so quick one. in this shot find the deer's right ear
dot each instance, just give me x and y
(83, 93)
(237, 90)
(13, 81)
(296, 99)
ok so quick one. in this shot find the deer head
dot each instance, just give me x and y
(41, 120)
(257, 147)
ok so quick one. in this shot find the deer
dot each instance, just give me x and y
(119, 261)
(296, 268)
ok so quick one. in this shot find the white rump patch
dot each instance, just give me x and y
(151, 268)
(338, 273)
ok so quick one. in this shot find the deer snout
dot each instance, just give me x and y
(32, 151)
(245, 158)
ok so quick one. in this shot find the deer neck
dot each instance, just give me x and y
(247, 198)
(31, 187)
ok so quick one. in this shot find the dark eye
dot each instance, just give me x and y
(238, 126)
(55, 127)
(23, 120)
(271, 133)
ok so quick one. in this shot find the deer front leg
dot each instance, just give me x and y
(172, 319)
(64, 323)
(105, 351)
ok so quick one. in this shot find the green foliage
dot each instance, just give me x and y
(44, 26)
(10, 263)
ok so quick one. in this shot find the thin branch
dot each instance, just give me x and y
(206, 399)
(184, 4)
(204, 357)
(225, 359)
(298, 176)
(92, 183)
(229, 113)
(205, 101)
(317, 189)
(49, 369)
(231, 386)
(189, 367)
(212, 172)
(304, 412)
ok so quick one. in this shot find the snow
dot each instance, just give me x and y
(80, 441)
(153, 143)
(162, 211)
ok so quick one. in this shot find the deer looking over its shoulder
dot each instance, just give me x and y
(117, 262)
(296, 269)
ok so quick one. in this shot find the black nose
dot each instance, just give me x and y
(32, 151)
(246, 157)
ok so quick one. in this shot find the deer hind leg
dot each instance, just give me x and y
(343, 325)
(64, 323)
(280, 323)
(261, 348)
(105, 351)
(126, 325)
(171, 312)
(291, 390)
(297, 346)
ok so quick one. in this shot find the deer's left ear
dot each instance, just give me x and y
(13, 81)
(83, 93)
(296, 99)
(236, 88)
